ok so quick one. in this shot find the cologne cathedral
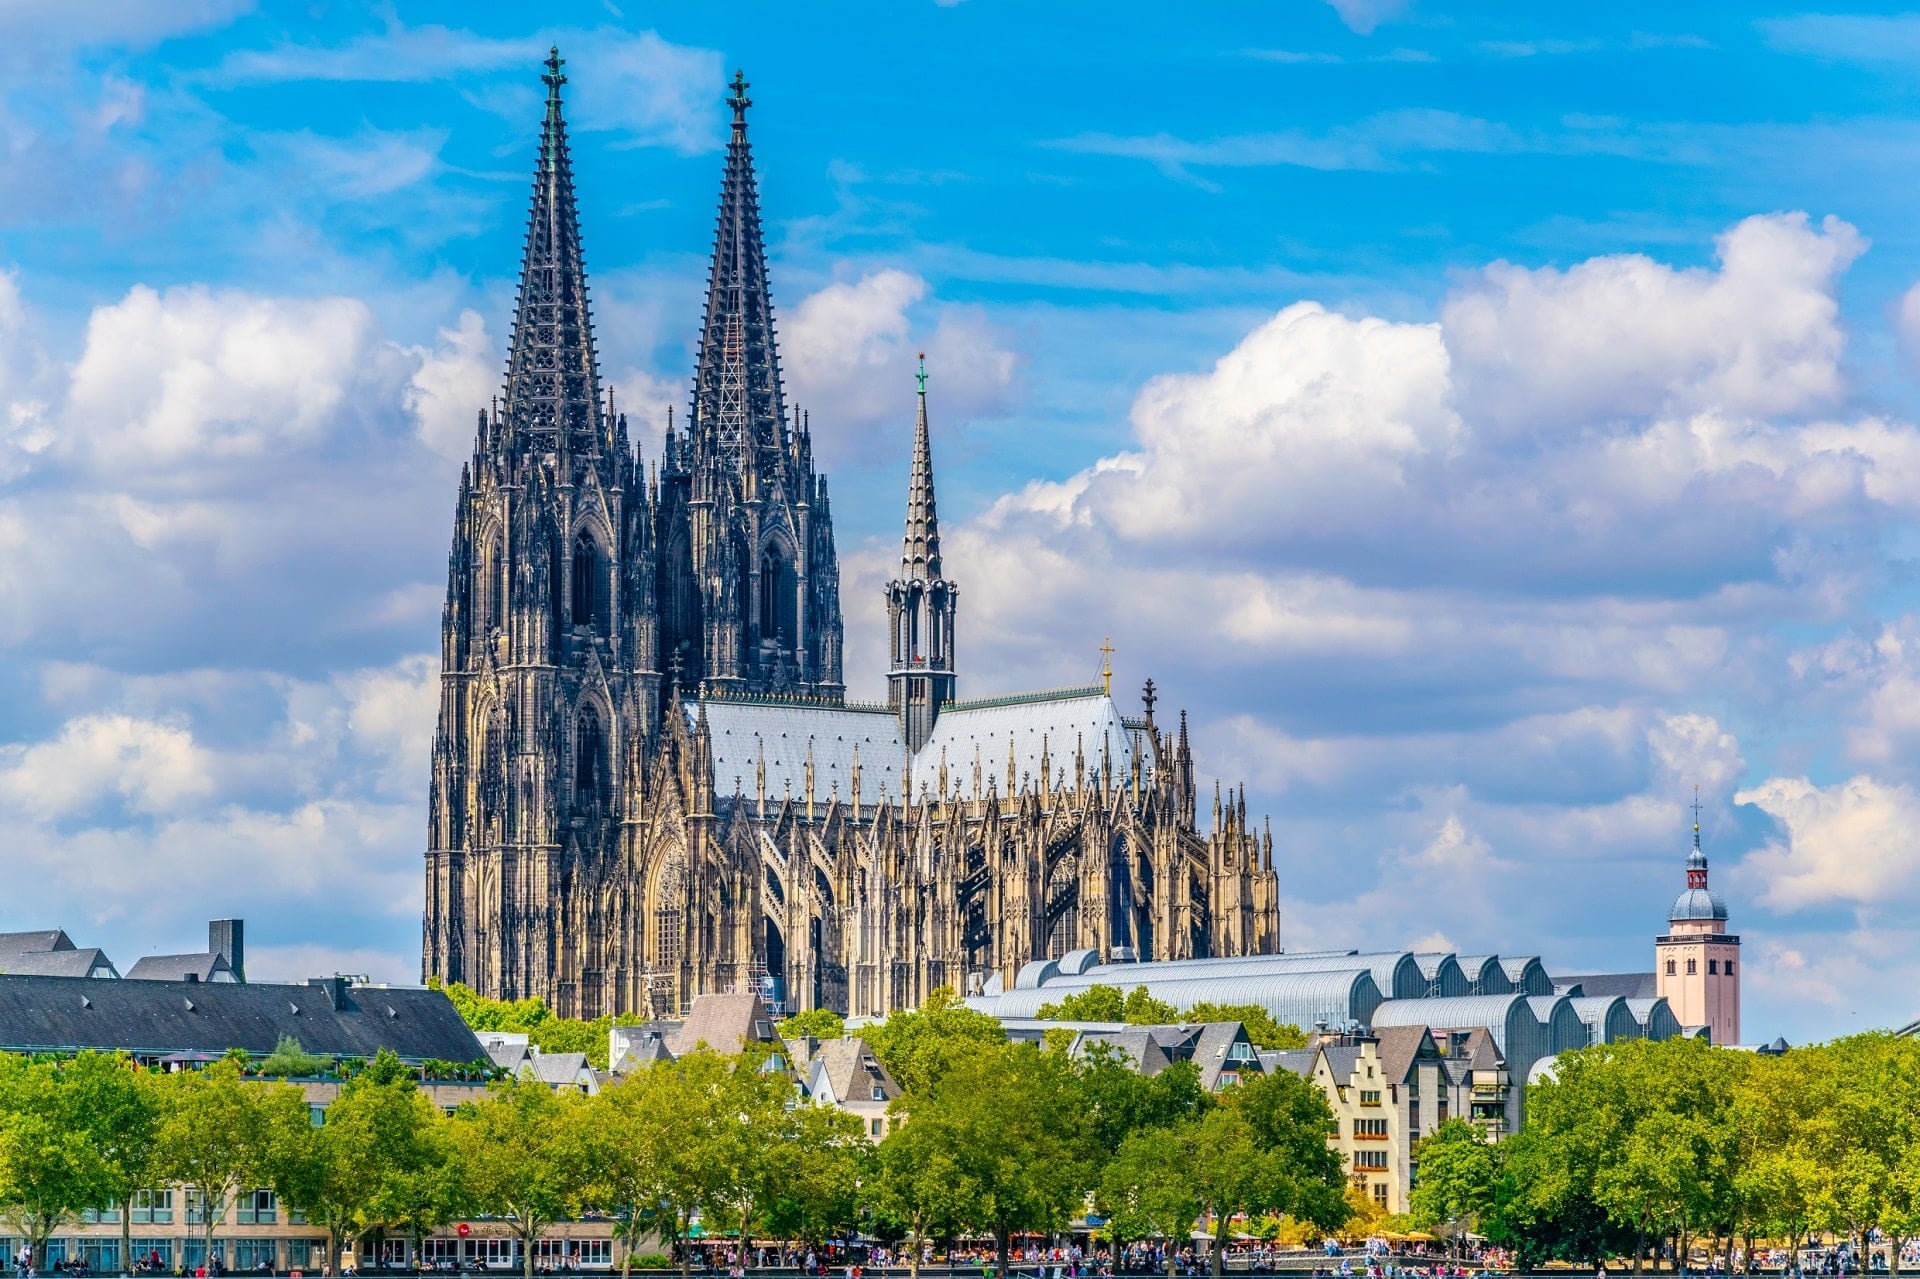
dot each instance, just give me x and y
(648, 783)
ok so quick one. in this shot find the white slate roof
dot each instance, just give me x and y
(1086, 718)
(745, 733)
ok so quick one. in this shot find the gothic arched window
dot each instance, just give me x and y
(589, 585)
(669, 902)
(683, 597)
(779, 602)
(491, 586)
(589, 761)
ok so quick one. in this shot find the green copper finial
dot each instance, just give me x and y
(739, 100)
(922, 374)
(549, 150)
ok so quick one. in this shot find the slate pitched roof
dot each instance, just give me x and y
(1298, 1060)
(1142, 1048)
(1613, 985)
(724, 1023)
(1479, 1049)
(1400, 1047)
(1342, 1059)
(38, 941)
(203, 967)
(152, 1018)
(632, 1047)
(564, 1070)
(1210, 1050)
(853, 1072)
(70, 962)
(505, 1049)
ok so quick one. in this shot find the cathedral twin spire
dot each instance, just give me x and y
(553, 382)
(738, 405)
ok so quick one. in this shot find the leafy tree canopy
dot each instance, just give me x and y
(1262, 1029)
(1459, 1175)
(821, 1023)
(289, 1060)
(531, 1017)
(920, 1048)
(1108, 1003)
(1139, 1008)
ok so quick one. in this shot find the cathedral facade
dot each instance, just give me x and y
(647, 781)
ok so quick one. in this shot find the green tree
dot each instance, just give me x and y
(531, 1017)
(821, 1023)
(1008, 1117)
(1459, 1174)
(816, 1188)
(220, 1134)
(1287, 1123)
(1628, 1144)
(49, 1170)
(1142, 1009)
(1775, 1113)
(686, 1146)
(1862, 1144)
(1263, 1149)
(760, 1127)
(1095, 1003)
(518, 1161)
(920, 1048)
(621, 1139)
(917, 1184)
(1119, 1101)
(1147, 1190)
(1137, 1007)
(120, 1108)
(289, 1060)
(375, 1162)
(1262, 1030)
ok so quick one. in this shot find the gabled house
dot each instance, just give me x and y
(845, 1073)
(724, 1023)
(1221, 1049)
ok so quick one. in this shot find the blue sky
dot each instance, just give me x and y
(1491, 421)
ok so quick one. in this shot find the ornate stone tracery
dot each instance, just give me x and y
(647, 782)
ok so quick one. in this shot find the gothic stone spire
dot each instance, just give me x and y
(920, 556)
(553, 388)
(921, 604)
(737, 404)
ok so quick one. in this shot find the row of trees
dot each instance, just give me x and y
(94, 1131)
(1138, 1007)
(1637, 1147)
(990, 1139)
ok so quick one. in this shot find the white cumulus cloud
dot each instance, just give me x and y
(153, 767)
(850, 350)
(451, 386)
(1855, 842)
(195, 375)
(1625, 336)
